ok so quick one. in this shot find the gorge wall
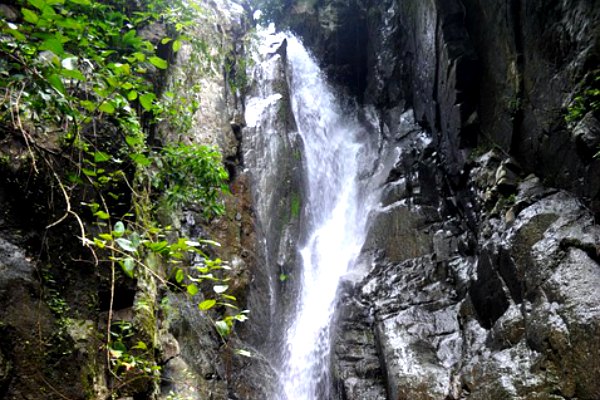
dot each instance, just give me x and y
(480, 273)
(483, 257)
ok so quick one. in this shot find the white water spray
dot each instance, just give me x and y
(338, 205)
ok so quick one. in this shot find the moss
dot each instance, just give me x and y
(295, 205)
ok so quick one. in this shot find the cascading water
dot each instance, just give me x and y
(337, 207)
(336, 153)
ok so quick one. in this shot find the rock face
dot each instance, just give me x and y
(477, 73)
(477, 277)
(272, 152)
(506, 311)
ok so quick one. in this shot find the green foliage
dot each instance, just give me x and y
(296, 203)
(192, 174)
(129, 357)
(587, 100)
(82, 68)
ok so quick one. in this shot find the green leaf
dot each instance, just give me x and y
(223, 328)
(54, 45)
(179, 276)
(131, 96)
(207, 304)
(128, 266)
(55, 81)
(118, 229)
(166, 40)
(220, 288)
(107, 107)
(17, 35)
(146, 100)
(73, 74)
(157, 247)
(100, 156)
(176, 45)
(30, 16)
(192, 289)
(134, 141)
(81, 2)
(158, 62)
(140, 159)
(102, 214)
(39, 4)
(125, 244)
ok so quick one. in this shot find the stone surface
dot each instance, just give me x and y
(517, 319)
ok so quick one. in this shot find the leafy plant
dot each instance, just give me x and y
(82, 70)
(587, 100)
(192, 174)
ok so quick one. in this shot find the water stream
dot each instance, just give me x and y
(336, 154)
(338, 204)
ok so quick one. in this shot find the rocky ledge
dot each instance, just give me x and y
(496, 302)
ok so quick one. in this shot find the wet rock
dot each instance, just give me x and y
(587, 134)
(4, 372)
(8, 12)
(507, 322)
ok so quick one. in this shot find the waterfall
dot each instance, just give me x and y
(337, 209)
(336, 159)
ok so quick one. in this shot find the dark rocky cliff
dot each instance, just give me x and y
(483, 259)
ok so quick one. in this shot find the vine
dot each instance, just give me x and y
(87, 73)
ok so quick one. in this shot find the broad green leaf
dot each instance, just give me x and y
(128, 266)
(17, 35)
(54, 45)
(176, 45)
(30, 16)
(146, 100)
(100, 156)
(240, 317)
(125, 244)
(223, 328)
(166, 40)
(220, 288)
(140, 345)
(207, 304)
(158, 62)
(88, 105)
(132, 95)
(158, 247)
(179, 276)
(105, 236)
(107, 108)
(70, 23)
(135, 238)
(192, 289)
(102, 214)
(73, 74)
(81, 2)
(140, 159)
(134, 141)
(39, 4)
(118, 229)
(55, 81)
